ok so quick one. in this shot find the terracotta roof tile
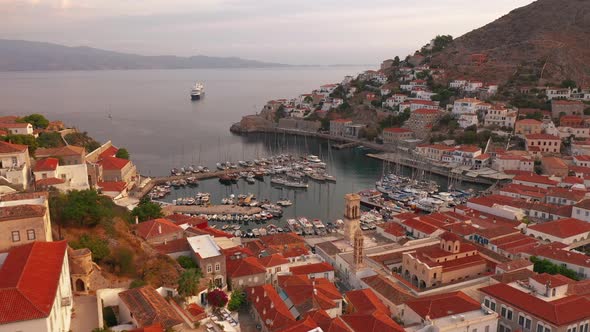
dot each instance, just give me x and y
(443, 305)
(29, 280)
(6, 147)
(149, 307)
(113, 163)
(568, 310)
(562, 228)
(21, 212)
(312, 268)
(47, 164)
(151, 228)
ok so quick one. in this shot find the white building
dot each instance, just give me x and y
(500, 117)
(48, 173)
(15, 164)
(18, 128)
(36, 293)
(568, 231)
(451, 312)
(558, 93)
(466, 105)
(467, 120)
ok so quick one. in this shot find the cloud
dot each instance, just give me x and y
(294, 31)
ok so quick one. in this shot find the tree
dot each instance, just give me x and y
(396, 61)
(186, 262)
(50, 140)
(217, 298)
(84, 208)
(137, 283)
(121, 261)
(82, 139)
(147, 210)
(280, 113)
(122, 153)
(37, 120)
(28, 140)
(571, 84)
(237, 300)
(99, 247)
(188, 283)
(537, 116)
(545, 266)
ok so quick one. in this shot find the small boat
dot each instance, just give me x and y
(250, 180)
(197, 91)
(284, 202)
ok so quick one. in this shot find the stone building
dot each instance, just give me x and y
(352, 215)
(422, 120)
(81, 269)
(451, 260)
(566, 107)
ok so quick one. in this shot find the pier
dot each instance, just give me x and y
(345, 145)
(211, 209)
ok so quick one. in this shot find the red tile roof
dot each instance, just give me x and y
(562, 228)
(393, 228)
(515, 265)
(48, 182)
(148, 307)
(397, 130)
(312, 268)
(6, 147)
(113, 163)
(306, 293)
(375, 322)
(246, 267)
(21, 212)
(555, 251)
(443, 305)
(273, 260)
(116, 186)
(533, 178)
(555, 280)
(29, 280)
(381, 285)
(420, 226)
(151, 228)
(365, 301)
(47, 164)
(111, 151)
(529, 121)
(565, 311)
(173, 246)
(64, 151)
(270, 307)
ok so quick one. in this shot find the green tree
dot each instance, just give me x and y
(536, 116)
(137, 283)
(50, 140)
(147, 210)
(37, 120)
(80, 208)
(28, 140)
(280, 113)
(568, 84)
(217, 298)
(545, 266)
(186, 262)
(396, 61)
(188, 283)
(99, 247)
(236, 300)
(122, 153)
(82, 139)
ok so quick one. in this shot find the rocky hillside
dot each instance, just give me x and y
(549, 39)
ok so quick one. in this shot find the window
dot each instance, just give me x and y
(30, 234)
(503, 312)
(493, 305)
(486, 302)
(217, 267)
(15, 236)
(487, 328)
(209, 268)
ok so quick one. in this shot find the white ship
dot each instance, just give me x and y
(198, 91)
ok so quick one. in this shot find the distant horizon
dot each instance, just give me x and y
(328, 33)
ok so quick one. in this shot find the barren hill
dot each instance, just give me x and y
(550, 39)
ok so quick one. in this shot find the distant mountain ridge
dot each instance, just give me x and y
(20, 55)
(550, 39)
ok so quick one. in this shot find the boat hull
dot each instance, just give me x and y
(195, 97)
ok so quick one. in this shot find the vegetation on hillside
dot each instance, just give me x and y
(82, 139)
(146, 210)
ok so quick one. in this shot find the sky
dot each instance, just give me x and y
(285, 31)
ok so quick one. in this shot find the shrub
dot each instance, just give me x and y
(108, 314)
(186, 262)
(217, 298)
(99, 247)
(237, 300)
(137, 283)
(188, 283)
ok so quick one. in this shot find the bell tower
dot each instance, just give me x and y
(352, 216)
(358, 248)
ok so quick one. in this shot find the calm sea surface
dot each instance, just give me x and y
(154, 118)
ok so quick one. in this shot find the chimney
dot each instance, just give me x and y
(315, 291)
(159, 229)
(136, 220)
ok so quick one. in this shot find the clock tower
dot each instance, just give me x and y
(352, 216)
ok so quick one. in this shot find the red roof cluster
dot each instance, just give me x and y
(113, 163)
(561, 312)
(443, 305)
(6, 147)
(156, 227)
(562, 228)
(312, 268)
(29, 280)
(47, 164)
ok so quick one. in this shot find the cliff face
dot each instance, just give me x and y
(550, 38)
